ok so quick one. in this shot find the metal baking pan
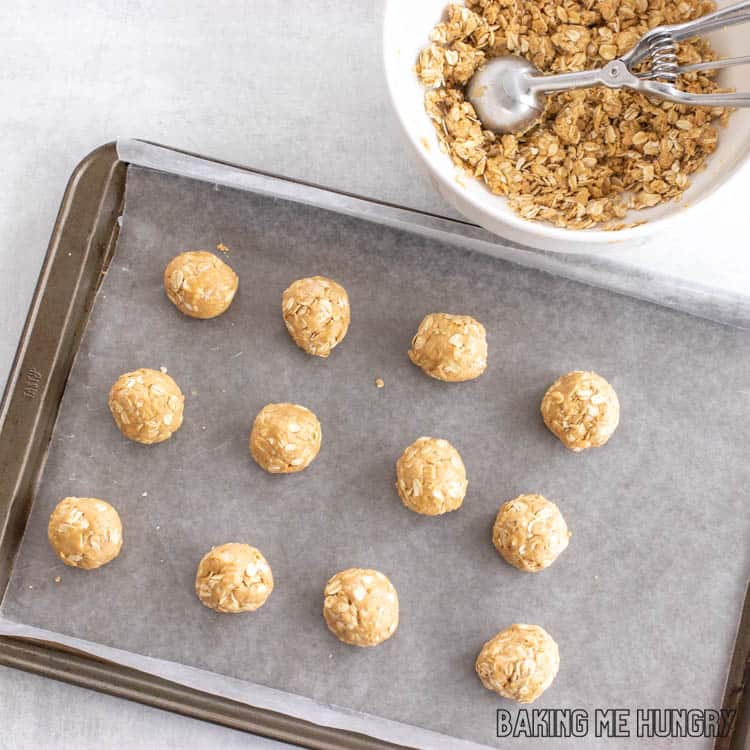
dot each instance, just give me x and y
(81, 251)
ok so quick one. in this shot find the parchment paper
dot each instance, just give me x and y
(645, 602)
(607, 269)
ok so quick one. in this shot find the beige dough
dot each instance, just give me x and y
(233, 578)
(85, 532)
(285, 438)
(360, 607)
(200, 284)
(316, 314)
(146, 405)
(582, 409)
(530, 532)
(450, 347)
(519, 663)
(430, 477)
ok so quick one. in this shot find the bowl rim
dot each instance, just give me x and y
(594, 237)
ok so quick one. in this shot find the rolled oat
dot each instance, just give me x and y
(595, 153)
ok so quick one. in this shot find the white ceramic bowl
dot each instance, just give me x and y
(406, 26)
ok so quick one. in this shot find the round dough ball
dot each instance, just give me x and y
(147, 405)
(530, 532)
(200, 284)
(431, 477)
(233, 578)
(316, 313)
(360, 607)
(85, 532)
(519, 663)
(285, 438)
(582, 409)
(450, 347)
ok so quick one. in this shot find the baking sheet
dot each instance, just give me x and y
(645, 601)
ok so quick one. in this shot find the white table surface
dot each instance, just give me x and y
(294, 88)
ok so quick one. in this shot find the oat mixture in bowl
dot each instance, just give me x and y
(596, 153)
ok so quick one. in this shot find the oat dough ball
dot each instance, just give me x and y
(582, 409)
(85, 532)
(450, 347)
(530, 532)
(147, 405)
(285, 438)
(316, 314)
(200, 284)
(360, 607)
(233, 578)
(519, 663)
(430, 477)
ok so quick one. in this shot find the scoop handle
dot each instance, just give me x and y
(729, 16)
(673, 94)
(677, 32)
(615, 75)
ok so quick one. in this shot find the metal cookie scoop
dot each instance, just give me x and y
(509, 93)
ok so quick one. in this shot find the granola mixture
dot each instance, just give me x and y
(360, 607)
(85, 532)
(582, 409)
(530, 532)
(596, 153)
(452, 348)
(316, 313)
(431, 477)
(519, 663)
(146, 405)
(199, 284)
(233, 578)
(285, 438)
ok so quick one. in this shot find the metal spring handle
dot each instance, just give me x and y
(678, 32)
(660, 46)
(664, 62)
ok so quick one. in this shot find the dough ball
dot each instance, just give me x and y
(360, 607)
(147, 405)
(200, 284)
(85, 532)
(430, 477)
(285, 438)
(582, 409)
(519, 663)
(316, 314)
(450, 347)
(530, 532)
(233, 578)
